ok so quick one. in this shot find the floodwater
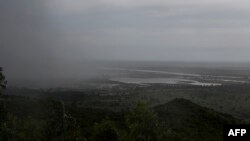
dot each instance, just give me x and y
(173, 78)
(162, 81)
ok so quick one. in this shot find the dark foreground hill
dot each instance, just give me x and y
(190, 121)
(177, 120)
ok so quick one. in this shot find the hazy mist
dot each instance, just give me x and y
(40, 38)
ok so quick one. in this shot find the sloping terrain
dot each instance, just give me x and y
(189, 121)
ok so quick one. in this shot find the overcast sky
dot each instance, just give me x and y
(35, 33)
(195, 30)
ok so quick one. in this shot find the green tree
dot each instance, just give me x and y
(72, 129)
(55, 117)
(3, 111)
(142, 124)
(59, 125)
(3, 82)
(105, 131)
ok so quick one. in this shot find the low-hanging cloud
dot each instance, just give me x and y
(38, 36)
(159, 29)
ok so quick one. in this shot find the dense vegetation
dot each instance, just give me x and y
(122, 113)
(48, 119)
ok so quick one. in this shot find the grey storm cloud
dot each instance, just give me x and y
(158, 30)
(41, 35)
(32, 46)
